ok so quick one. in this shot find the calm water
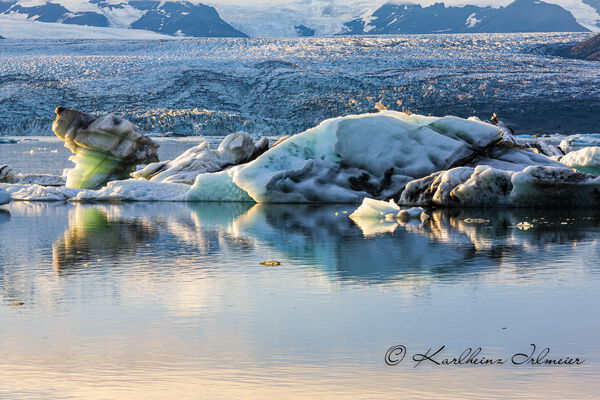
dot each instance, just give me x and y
(148, 301)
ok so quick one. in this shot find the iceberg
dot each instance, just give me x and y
(27, 192)
(346, 159)
(134, 190)
(484, 186)
(7, 175)
(586, 160)
(106, 148)
(236, 148)
(385, 160)
(371, 208)
(578, 142)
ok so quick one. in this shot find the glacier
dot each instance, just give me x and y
(213, 87)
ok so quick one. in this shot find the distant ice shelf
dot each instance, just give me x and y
(19, 29)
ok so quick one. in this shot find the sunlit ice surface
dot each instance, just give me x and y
(170, 301)
(284, 86)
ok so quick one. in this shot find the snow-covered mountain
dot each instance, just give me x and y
(518, 16)
(291, 18)
(178, 18)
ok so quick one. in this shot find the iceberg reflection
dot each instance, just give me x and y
(451, 243)
(99, 232)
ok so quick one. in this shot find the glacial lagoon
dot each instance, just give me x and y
(170, 300)
(147, 300)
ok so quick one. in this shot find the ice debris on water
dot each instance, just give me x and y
(524, 226)
(371, 208)
(586, 160)
(236, 148)
(418, 161)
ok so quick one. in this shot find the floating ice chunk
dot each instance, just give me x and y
(349, 158)
(6, 173)
(371, 208)
(483, 186)
(236, 148)
(578, 142)
(4, 197)
(217, 187)
(185, 168)
(476, 221)
(550, 186)
(524, 226)
(135, 190)
(106, 148)
(39, 193)
(586, 160)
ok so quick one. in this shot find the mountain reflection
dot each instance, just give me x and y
(451, 243)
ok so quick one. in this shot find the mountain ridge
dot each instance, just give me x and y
(300, 18)
(518, 16)
(175, 18)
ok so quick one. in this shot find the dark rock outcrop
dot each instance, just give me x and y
(588, 50)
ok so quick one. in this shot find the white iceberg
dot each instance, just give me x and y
(106, 148)
(371, 208)
(578, 142)
(349, 158)
(134, 190)
(236, 148)
(27, 192)
(586, 160)
(484, 186)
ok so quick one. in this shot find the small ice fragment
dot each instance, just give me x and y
(586, 160)
(476, 221)
(524, 226)
(371, 208)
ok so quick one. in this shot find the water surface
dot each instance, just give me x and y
(158, 300)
